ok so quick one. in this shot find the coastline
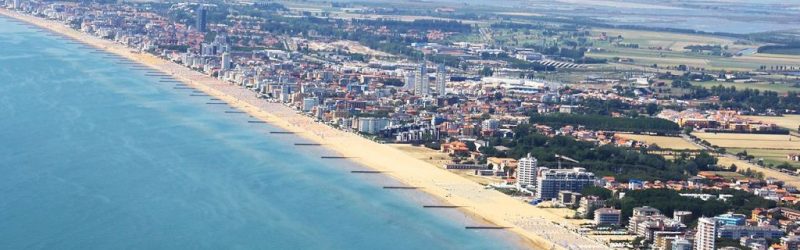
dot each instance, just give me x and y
(486, 205)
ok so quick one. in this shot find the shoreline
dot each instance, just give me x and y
(489, 206)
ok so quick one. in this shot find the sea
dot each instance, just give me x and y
(98, 153)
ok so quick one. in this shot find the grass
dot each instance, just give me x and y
(665, 142)
(772, 156)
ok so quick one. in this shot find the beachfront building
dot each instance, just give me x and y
(371, 125)
(550, 182)
(705, 238)
(607, 216)
(588, 204)
(648, 226)
(526, 171)
(226, 62)
(309, 103)
(569, 198)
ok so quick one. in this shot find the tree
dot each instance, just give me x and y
(651, 108)
(471, 146)
(486, 71)
(603, 193)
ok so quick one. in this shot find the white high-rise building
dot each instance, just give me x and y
(372, 125)
(226, 61)
(16, 5)
(706, 234)
(441, 80)
(526, 171)
(422, 86)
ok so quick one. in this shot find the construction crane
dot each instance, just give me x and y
(560, 157)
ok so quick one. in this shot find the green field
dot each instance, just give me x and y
(772, 156)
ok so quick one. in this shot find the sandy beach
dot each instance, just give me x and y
(541, 229)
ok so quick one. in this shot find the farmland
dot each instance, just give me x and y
(790, 122)
(751, 141)
(667, 49)
(772, 149)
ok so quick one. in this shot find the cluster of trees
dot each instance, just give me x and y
(668, 200)
(600, 122)
(706, 47)
(574, 52)
(687, 76)
(683, 84)
(516, 26)
(447, 60)
(754, 99)
(608, 107)
(750, 173)
(789, 49)
(606, 160)
(627, 45)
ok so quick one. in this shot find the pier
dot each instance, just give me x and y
(400, 187)
(366, 172)
(486, 227)
(281, 132)
(441, 206)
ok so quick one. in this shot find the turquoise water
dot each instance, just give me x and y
(98, 155)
